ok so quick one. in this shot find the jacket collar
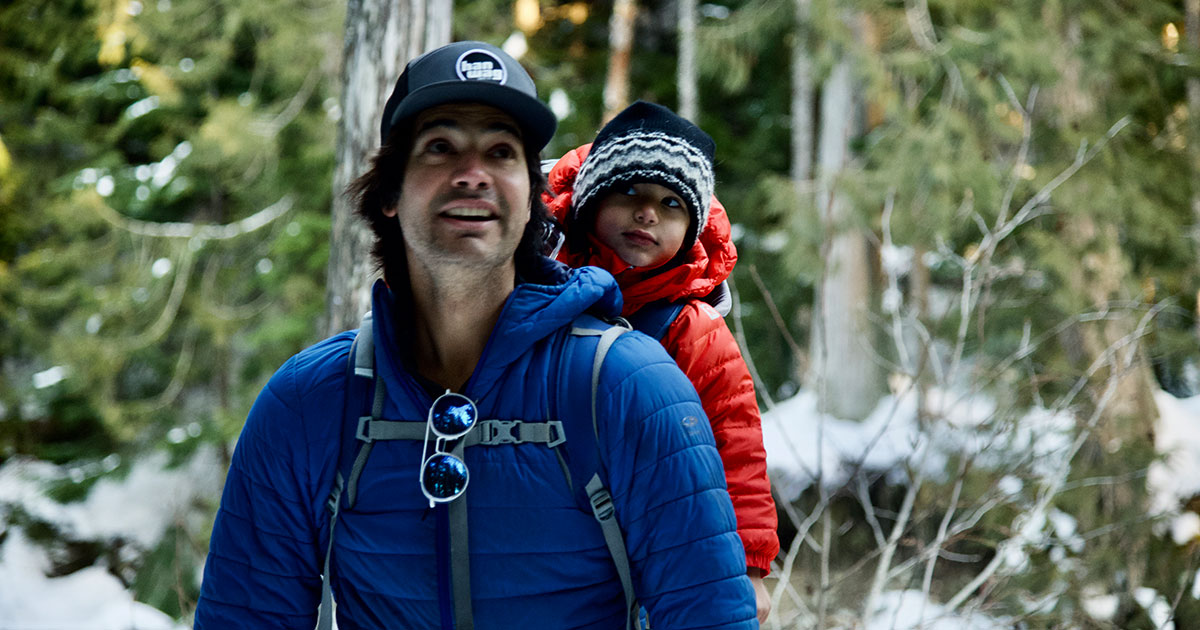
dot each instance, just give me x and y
(536, 309)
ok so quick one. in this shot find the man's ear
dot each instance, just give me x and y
(389, 211)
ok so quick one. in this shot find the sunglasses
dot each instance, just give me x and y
(444, 476)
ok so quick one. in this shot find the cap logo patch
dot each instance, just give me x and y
(480, 65)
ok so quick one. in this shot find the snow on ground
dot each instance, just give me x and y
(137, 508)
(890, 436)
(1178, 437)
(911, 610)
(88, 599)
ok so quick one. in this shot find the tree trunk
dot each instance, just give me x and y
(847, 377)
(1192, 47)
(381, 36)
(802, 135)
(802, 103)
(620, 43)
(686, 81)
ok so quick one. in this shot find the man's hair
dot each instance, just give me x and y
(379, 189)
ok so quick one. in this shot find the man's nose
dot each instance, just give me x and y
(470, 172)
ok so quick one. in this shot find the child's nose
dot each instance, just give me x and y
(646, 214)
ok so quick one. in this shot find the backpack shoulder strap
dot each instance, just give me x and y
(655, 318)
(360, 377)
(580, 361)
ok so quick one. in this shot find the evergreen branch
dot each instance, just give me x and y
(170, 309)
(174, 388)
(202, 232)
(295, 104)
(226, 312)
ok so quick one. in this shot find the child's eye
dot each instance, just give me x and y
(629, 191)
(672, 202)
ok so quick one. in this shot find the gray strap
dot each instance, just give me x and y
(325, 614)
(460, 558)
(364, 360)
(365, 451)
(602, 509)
(606, 341)
(373, 429)
(598, 495)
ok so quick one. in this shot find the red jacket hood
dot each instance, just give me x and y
(707, 264)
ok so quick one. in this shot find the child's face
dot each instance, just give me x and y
(643, 223)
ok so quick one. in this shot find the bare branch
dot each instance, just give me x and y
(739, 333)
(889, 550)
(774, 310)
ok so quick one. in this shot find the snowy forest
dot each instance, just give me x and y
(968, 285)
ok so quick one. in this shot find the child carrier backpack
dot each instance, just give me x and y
(581, 352)
(656, 317)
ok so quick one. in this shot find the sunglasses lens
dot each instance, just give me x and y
(444, 476)
(452, 415)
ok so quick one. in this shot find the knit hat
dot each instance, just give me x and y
(645, 143)
(469, 72)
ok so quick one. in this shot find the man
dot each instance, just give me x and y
(470, 323)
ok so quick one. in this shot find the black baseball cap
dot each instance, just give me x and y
(469, 72)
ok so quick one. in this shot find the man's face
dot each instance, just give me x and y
(465, 197)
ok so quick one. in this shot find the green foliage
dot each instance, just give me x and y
(121, 120)
(164, 575)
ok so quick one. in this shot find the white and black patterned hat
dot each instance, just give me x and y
(645, 143)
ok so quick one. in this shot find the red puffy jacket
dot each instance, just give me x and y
(705, 350)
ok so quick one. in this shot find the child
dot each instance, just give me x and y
(640, 205)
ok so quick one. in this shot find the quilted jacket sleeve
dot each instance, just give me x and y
(262, 569)
(706, 351)
(668, 489)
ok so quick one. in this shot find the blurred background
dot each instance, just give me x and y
(967, 288)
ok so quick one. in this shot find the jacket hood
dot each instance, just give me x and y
(694, 274)
(535, 310)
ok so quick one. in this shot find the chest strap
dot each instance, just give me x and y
(486, 432)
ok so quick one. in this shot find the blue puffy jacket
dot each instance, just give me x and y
(537, 560)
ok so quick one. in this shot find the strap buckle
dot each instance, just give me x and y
(364, 429)
(602, 506)
(500, 432)
(555, 433)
